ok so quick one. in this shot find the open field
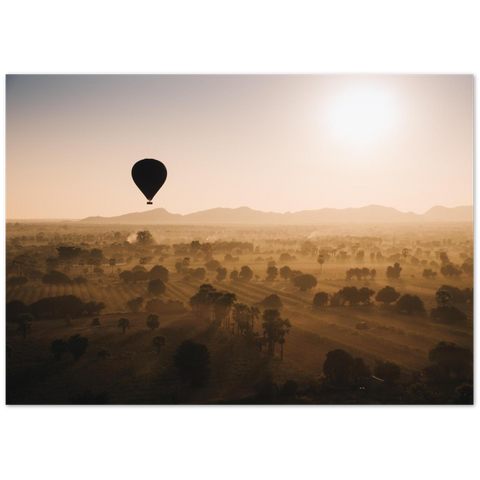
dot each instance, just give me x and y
(135, 373)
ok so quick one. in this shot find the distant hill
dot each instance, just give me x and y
(444, 214)
(247, 216)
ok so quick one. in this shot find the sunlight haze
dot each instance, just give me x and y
(270, 142)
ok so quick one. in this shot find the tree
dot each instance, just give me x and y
(360, 371)
(464, 394)
(450, 270)
(285, 272)
(144, 237)
(387, 295)
(156, 287)
(124, 323)
(272, 273)
(94, 308)
(58, 347)
(135, 304)
(394, 272)
(212, 265)
(159, 272)
(56, 278)
(25, 323)
(103, 353)
(410, 304)
(274, 329)
(14, 309)
(77, 345)
(364, 295)
(272, 301)
(388, 371)
(429, 273)
(16, 281)
(95, 322)
(338, 367)
(320, 299)
(234, 275)
(112, 262)
(448, 315)
(153, 321)
(221, 274)
(159, 341)
(452, 361)
(246, 274)
(321, 261)
(305, 282)
(192, 361)
(443, 298)
(350, 295)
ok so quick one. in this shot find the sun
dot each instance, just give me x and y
(362, 116)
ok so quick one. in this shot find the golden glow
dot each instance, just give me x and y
(362, 115)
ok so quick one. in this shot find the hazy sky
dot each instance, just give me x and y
(273, 143)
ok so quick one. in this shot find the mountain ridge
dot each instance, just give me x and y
(248, 216)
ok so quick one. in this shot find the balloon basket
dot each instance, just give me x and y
(149, 203)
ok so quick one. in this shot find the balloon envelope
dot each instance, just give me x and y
(149, 175)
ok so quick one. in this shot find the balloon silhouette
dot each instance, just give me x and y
(149, 175)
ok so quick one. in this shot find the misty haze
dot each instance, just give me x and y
(310, 239)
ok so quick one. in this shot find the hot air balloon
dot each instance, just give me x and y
(149, 175)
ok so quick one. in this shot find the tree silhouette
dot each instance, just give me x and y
(221, 274)
(135, 304)
(285, 272)
(320, 299)
(192, 361)
(25, 323)
(77, 345)
(387, 295)
(443, 298)
(124, 323)
(246, 274)
(388, 371)
(156, 287)
(304, 282)
(394, 272)
(153, 321)
(144, 237)
(451, 360)
(272, 273)
(58, 347)
(103, 353)
(112, 262)
(410, 304)
(338, 367)
(321, 261)
(272, 301)
(274, 329)
(159, 341)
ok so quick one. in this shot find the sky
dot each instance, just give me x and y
(270, 142)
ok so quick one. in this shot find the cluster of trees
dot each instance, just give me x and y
(140, 274)
(361, 273)
(409, 304)
(394, 272)
(53, 307)
(76, 345)
(450, 366)
(350, 295)
(239, 318)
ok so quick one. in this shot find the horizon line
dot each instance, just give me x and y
(226, 208)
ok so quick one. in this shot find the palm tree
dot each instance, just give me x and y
(321, 261)
(159, 341)
(124, 323)
(274, 329)
(25, 323)
(112, 262)
(81, 264)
